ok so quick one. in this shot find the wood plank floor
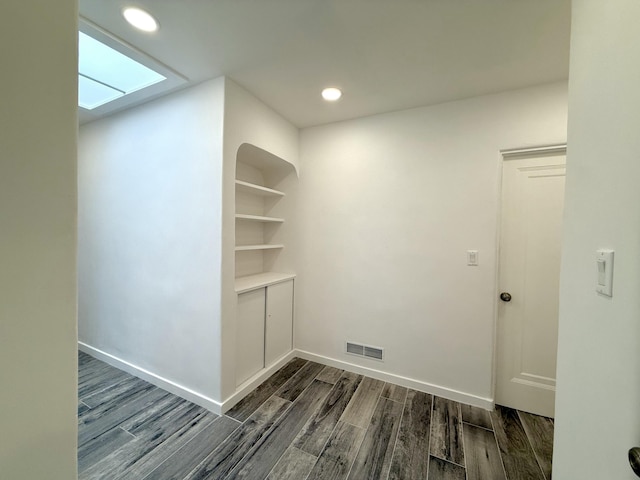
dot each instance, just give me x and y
(305, 422)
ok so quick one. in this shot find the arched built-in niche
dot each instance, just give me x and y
(262, 181)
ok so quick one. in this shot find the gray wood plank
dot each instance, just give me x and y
(481, 454)
(100, 447)
(260, 460)
(142, 455)
(187, 458)
(301, 380)
(317, 430)
(394, 392)
(446, 431)
(83, 358)
(257, 397)
(476, 416)
(100, 419)
(88, 364)
(106, 400)
(517, 455)
(153, 414)
(82, 408)
(411, 459)
(227, 455)
(363, 403)
(539, 431)
(442, 470)
(113, 392)
(329, 375)
(336, 459)
(95, 383)
(293, 465)
(91, 369)
(374, 457)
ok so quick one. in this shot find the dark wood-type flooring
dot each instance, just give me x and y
(307, 421)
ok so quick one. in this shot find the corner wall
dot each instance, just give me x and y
(150, 218)
(38, 352)
(597, 405)
(389, 204)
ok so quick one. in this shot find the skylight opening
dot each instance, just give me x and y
(105, 74)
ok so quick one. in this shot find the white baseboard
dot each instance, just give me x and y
(486, 403)
(244, 389)
(154, 379)
(252, 383)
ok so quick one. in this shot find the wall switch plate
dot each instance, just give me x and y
(604, 272)
(472, 258)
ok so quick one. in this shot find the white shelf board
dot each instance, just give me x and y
(258, 218)
(260, 280)
(243, 248)
(263, 160)
(257, 189)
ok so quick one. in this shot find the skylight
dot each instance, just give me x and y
(104, 74)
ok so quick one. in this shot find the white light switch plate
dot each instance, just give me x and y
(604, 272)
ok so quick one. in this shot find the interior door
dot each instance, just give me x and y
(529, 274)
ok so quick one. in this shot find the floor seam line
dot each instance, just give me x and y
(395, 441)
(504, 468)
(535, 454)
(478, 426)
(355, 458)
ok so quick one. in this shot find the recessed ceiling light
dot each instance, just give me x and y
(331, 94)
(140, 19)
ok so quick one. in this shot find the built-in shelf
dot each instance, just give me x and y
(260, 280)
(244, 248)
(257, 189)
(258, 218)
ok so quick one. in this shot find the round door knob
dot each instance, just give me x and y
(634, 460)
(505, 296)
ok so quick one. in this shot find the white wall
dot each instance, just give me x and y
(598, 399)
(246, 120)
(38, 356)
(150, 235)
(389, 205)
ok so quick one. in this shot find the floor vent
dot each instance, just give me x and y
(368, 351)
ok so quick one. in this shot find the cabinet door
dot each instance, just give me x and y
(250, 334)
(279, 321)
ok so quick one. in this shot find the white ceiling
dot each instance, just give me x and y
(384, 54)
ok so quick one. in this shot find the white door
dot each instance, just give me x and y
(530, 249)
(279, 321)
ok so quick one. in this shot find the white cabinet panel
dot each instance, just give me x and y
(250, 334)
(279, 321)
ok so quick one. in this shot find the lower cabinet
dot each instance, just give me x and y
(264, 328)
(250, 334)
(278, 334)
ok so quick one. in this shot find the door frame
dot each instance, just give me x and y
(506, 155)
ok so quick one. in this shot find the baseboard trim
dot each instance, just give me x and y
(243, 390)
(154, 379)
(252, 383)
(486, 403)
